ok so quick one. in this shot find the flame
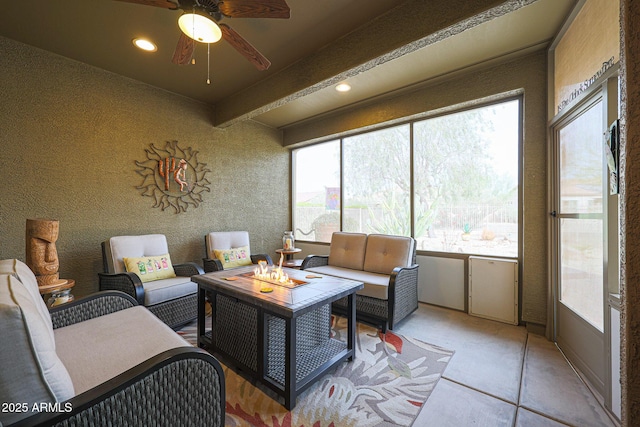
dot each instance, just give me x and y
(275, 275)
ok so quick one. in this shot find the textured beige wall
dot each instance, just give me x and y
(630, 211)
(582, 51)
(526, 75)
(69, 138)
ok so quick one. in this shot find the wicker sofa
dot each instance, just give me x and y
(385, 264)
(101, 360)
(174, 299)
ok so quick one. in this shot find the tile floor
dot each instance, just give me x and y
(500, 375)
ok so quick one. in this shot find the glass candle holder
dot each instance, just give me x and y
(288, 241)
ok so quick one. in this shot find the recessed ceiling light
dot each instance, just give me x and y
(343, 87)
(145, 44)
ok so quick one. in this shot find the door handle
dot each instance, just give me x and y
(553, 214)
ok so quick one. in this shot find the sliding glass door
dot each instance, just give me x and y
(579, 237)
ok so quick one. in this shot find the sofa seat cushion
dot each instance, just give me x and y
(98, 349)
(347, 250)
(167, 289)
(385, 252)
(375, 285)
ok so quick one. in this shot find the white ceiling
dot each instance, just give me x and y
(99, 33)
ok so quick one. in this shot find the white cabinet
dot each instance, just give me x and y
(493, 289)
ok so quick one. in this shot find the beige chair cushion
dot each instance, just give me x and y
(347, 250)
(385, 252)
(167, 289)
(222, 240)
(101, 348)
(119, 247)
(31, 370)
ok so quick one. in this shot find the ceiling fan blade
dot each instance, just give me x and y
(167, 4)
(244, 47)
(184, 50)
(254, 9)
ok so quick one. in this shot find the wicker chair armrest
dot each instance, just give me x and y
(141, 395)
(188, 269)
(211, 265)
(94, 305)
(403, 293)
(403, 276)
(314, 261)
(129, 283)
(261, 257)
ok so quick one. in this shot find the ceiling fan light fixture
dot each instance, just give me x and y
(200, 27)
(145, 44)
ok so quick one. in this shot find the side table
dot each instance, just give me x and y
(288, 257)
(60, 292)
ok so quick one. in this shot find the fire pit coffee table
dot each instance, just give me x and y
(278, 334)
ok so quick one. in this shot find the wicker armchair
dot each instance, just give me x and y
(224, 241)
(387, 267)
(113, 379)
(173, 300)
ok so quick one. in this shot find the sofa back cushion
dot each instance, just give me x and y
(120, 247)
(24, 274)
(385, 252)
(347, 250)
(31, 370)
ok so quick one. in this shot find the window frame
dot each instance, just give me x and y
(410, 121)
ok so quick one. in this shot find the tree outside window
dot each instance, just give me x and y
(464, 174)
(466, 181)
(377, 182)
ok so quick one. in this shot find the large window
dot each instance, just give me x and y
(377, 182)
(462, 185)
(466, 181)
(316, 186)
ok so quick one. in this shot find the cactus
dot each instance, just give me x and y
(166, 169)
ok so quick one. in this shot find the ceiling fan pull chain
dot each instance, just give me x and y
(193, 29)
(208, 62)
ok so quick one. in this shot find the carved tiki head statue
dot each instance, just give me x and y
(41, 252)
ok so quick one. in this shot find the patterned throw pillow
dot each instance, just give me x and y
(151, 267)
(235, 257)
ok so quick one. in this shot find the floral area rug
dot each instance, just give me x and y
(390, 379)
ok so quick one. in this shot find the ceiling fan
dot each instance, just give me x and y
(209, 13)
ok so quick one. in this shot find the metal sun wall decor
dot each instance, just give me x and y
(173, 177)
